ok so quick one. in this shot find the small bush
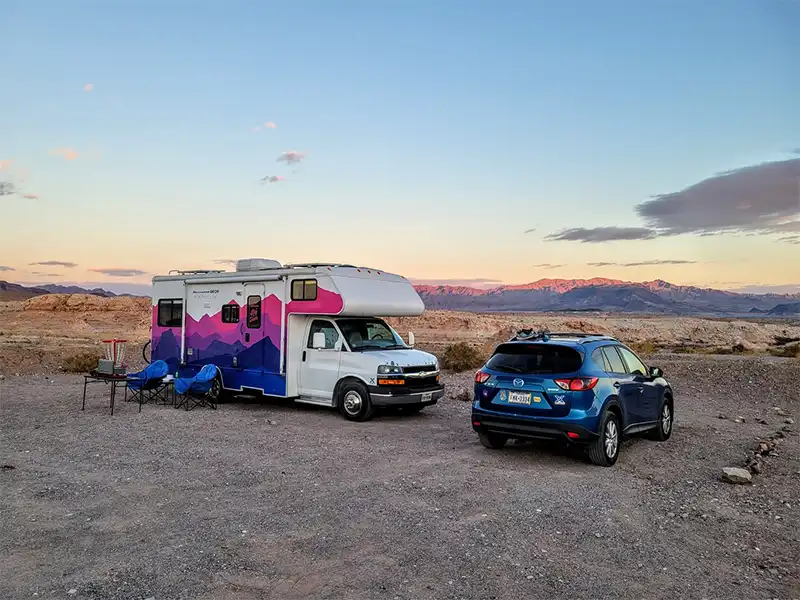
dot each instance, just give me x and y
(461, 357)
(645, 348)
(786, 351)
(464, 396)
(81, 362)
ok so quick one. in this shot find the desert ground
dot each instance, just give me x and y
(266, 499)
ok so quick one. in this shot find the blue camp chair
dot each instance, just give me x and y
(148, 384)
(197, 391)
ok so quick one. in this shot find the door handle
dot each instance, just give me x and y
(304, 356)
(246, 337)
(616, 384)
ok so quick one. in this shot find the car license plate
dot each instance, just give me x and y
(426, 396)
(519, 397)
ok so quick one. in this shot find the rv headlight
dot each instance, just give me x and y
(389, 370)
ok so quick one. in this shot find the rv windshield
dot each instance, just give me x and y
(369, 334)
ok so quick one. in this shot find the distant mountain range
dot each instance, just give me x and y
(15, 291)
(606, 295)
(549, 295)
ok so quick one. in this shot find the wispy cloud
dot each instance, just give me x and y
(292, 157)
(645, 263)
(88, 87)
(789, 288)
(547, 266)
(790, 239)
(529, 230)
(65, 153)
(5, 165)
(759, 199)
(31, 196)
(120, 272)
(7, 188)
(40, 274)
(272, 179)
(602, 234)
(224, 261)
(54, 263)
(267, 125)
(4, 268)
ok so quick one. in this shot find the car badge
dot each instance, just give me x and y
(518, 382)
(559, 400)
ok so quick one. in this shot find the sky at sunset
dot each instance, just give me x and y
(465, 141)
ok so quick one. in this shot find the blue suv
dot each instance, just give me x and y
(581, 388)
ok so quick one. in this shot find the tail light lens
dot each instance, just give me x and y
(481, 377)
(577, 384)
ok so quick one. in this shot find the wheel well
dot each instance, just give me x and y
(614, 408)
(341, 382)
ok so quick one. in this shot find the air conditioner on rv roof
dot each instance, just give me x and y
(257, 264)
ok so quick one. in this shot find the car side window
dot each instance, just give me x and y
(326, 327)
(635, 366)
(600, 360)
(613, 359)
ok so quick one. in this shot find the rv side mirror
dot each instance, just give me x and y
(411, 338)
(318, 341)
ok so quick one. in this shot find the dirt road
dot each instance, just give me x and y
(222, 504)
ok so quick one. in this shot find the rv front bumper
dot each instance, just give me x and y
(381, 396)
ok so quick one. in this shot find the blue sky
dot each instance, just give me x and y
(435, 134)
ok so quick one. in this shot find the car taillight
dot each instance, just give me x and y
(578, 384)
(481, 377)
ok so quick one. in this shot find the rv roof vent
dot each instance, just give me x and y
(257, 264)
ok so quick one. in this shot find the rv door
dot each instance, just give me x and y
(251, 328)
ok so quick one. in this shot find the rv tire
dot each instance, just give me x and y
(354, 401)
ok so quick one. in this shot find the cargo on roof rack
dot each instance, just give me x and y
(544, 335)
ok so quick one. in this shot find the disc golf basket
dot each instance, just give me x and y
(114, 357)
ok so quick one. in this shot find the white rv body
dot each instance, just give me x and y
(257, 326)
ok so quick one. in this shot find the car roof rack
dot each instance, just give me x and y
(544, 335)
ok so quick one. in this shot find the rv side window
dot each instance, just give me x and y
(304, 289)
(230, 313)
(254, 312)
(170, 313)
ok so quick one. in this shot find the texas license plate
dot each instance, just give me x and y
(426, 396)
(519, 397)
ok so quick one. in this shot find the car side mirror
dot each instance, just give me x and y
(411, 339)
(338, 345)
(318, 341)
(656, 372)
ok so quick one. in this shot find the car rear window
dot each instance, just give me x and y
(535, 358)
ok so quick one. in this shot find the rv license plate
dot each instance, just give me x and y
(426, 397)
(519, 397)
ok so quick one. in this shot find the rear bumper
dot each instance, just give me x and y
(381, 396)
(531, 427)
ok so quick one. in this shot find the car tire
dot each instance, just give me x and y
(493, 440)
(354, 401)
(604, 451)
(666, 422)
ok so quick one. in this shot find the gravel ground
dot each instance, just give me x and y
(222, 504)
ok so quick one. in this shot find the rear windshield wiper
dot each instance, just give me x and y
(509, 369)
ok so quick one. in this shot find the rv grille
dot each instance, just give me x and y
(419, 369)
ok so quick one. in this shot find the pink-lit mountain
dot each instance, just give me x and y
(600, 294)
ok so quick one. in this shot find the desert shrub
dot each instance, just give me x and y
(786, 351)
(463, 396)
(461, 357)
(645, 348)
(81, 362)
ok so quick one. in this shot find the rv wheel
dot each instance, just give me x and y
(354, 401)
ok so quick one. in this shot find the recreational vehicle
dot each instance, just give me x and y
(309, 332)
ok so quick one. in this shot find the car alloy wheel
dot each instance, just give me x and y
(611, 441)
(666, 419)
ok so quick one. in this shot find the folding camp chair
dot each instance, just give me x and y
(192, 392)
(149, 384)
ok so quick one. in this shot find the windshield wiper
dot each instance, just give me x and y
(509, 369)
